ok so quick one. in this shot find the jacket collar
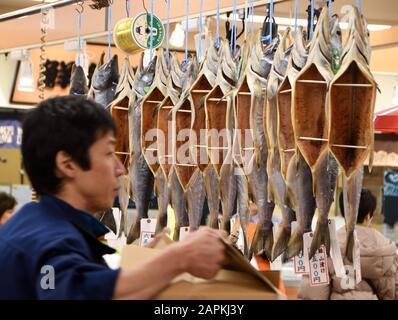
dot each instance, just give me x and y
(90, 227)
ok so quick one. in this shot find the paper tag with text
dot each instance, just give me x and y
(319, 273)
(335, 252)
(301, 263)
(277, 264)
(357, 259)
(148, 227)
(254, 263)
(184, 232)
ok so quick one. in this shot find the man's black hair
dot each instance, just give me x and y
(70, 124)
(367, 205)
(7, 202)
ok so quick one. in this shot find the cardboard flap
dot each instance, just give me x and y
(237, 272)
(238, 263)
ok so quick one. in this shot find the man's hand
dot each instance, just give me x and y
(201, 253)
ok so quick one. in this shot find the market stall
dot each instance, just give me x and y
(246, 116)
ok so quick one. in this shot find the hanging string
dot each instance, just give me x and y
(168, 33)
(359, 5)
(296, 7)
(218, 25)
(233, 30)
(271, 17)
(200, 28)
(128, 7)
(330, 7)
(312, 19)
(109, 31)
(151, 34)
(251, 14)
(186, 31)
(79, 46)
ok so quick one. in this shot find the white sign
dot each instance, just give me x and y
(301, 263)
(357, 259)
(335, 252)
(148, 227)
(184, 231)
(276, 265)
(319, 273)
(21, 193)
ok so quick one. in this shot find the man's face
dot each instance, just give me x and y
(99, 186)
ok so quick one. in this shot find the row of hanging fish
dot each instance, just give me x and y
(271, 124)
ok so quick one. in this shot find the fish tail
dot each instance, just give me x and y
(350, 246)
(226, 225)
(176, 234)
(281, 241)
(134, 232)
(321, 237)
(295, 244)
(212, 220)
(122, 225)
(246, 244)
(161, 221)
(262, 243)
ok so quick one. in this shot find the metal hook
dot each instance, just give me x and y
(80, 7)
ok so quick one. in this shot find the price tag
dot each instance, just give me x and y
(232, 224)
(148, 227)
(276, 265)
(184, 232)
(301, 263)
(335, 252)
(254, 263)
(319, 273)
(357, 259)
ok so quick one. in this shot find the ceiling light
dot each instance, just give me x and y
(177, 37)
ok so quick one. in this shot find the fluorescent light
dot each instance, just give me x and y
(378, 27)
(177, 37)
(304, 23)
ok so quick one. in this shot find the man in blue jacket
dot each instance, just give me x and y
(50, 249)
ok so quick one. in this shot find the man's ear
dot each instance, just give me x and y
(65, 167)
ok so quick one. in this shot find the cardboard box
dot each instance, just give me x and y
(237, 281)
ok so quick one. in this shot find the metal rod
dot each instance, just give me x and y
(313, 139)
(360, 85)
(38, 8)
(348, 146)
(34, 9)
(152, 101)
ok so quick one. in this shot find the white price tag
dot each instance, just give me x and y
(184, 232)
(293, 226)
(301, 263)
(319, 273)
(254, 263)
(232, 224)
(276, 265)
(357, 259)
(148, 227)
(335, 252)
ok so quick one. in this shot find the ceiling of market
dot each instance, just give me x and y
(381, 11)
(376, 12)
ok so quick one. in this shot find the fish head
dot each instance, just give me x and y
(78, 83)
(144, 76)
(106, 74)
